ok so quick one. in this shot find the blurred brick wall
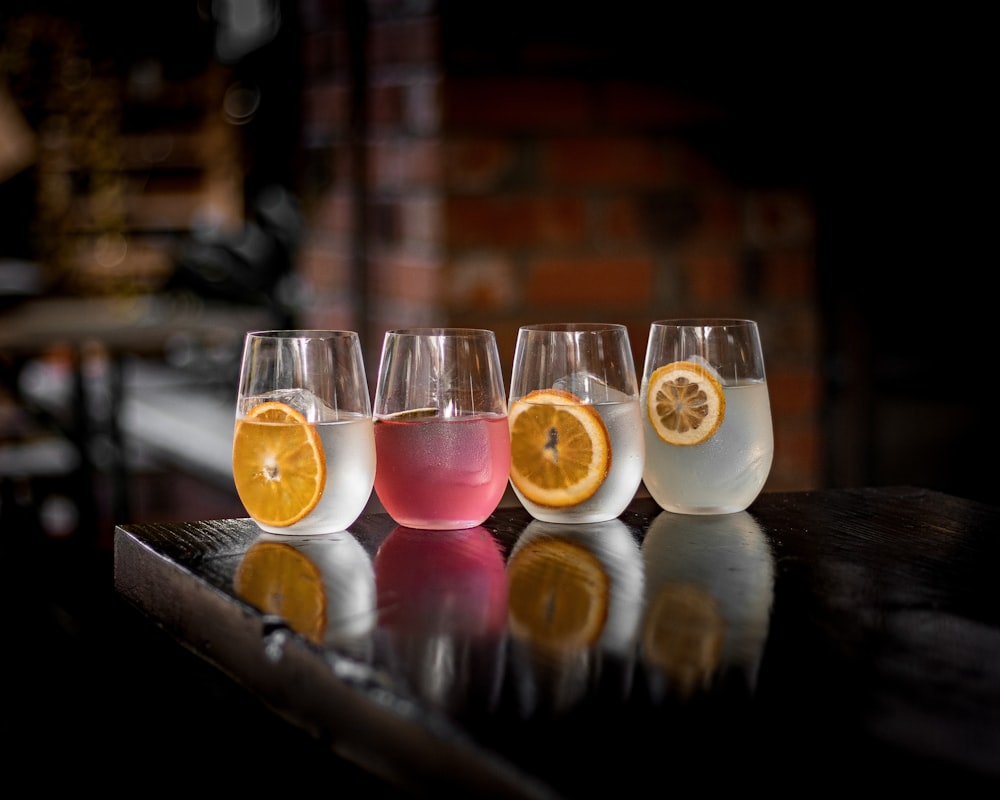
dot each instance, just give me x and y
(452, 192)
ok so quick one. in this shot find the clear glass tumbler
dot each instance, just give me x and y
(576, 437)
(707, 416)
(303, 445)
(441, 427)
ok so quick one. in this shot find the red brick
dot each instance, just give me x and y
(409, 108)
(420, 222)
(333, 215)
(621, 220)
(789, 275)
(325, 109)
(478, 165)
(403, 41)
(323, 52)
(792, 335)
(798, 458)
(690, 168)
(401, 164)
(524, 220)
(405, 277)
(793, 391)
(422, 106)
(514, 105)
(387, 106)
(327, 271)
(482, 282)
(336, 314)
(712, 275)
(637, 106)
(779, 219)
(603, 162)
(609, 282)
(720, 217)
(320, 15)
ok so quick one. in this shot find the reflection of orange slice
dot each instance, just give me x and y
(279, 579)
(685, 403)
(683, 634)
(558, 595)
(278, 464)
(560, 452)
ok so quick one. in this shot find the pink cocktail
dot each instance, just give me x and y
(442, 472)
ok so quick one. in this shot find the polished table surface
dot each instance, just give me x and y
(828, 639)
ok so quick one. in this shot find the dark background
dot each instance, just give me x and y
(886, 119)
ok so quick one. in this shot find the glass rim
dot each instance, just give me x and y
(304, 333)
(440, 330)
(573, 327)
(704, 322)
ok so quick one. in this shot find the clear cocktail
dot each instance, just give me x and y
(707, 421)
(303, 444)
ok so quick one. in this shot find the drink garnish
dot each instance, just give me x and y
(685, 403)
(560, 448)
(279, 467)
(410, 414)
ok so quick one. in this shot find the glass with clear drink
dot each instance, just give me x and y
(706, 415)
(440, 427)
(303, 444)
(577, 450)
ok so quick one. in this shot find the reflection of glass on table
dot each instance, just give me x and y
(322, 586)
(709, 589)
(442, 601)
(575, 598)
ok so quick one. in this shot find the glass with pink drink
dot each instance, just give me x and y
(442, 441)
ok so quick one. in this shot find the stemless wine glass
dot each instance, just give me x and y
(303, 445)
(440, 427)
(707, 420)
(576, 437)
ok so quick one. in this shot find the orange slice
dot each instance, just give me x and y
(280, 579)
(685, 403)
(560, 452)
(278, 464)
(558, 595)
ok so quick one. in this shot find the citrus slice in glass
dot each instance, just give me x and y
(410, 414)
(278, 464)
(280, 579)
(558, 595)
(685, 403)
(560, 451)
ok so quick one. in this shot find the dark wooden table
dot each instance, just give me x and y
(823, 640)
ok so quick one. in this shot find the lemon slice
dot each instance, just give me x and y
(278, 464)
(683, 634)
(410, 414)
(685, 403)
(560, 451)
(279, 579)
(558, 596)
